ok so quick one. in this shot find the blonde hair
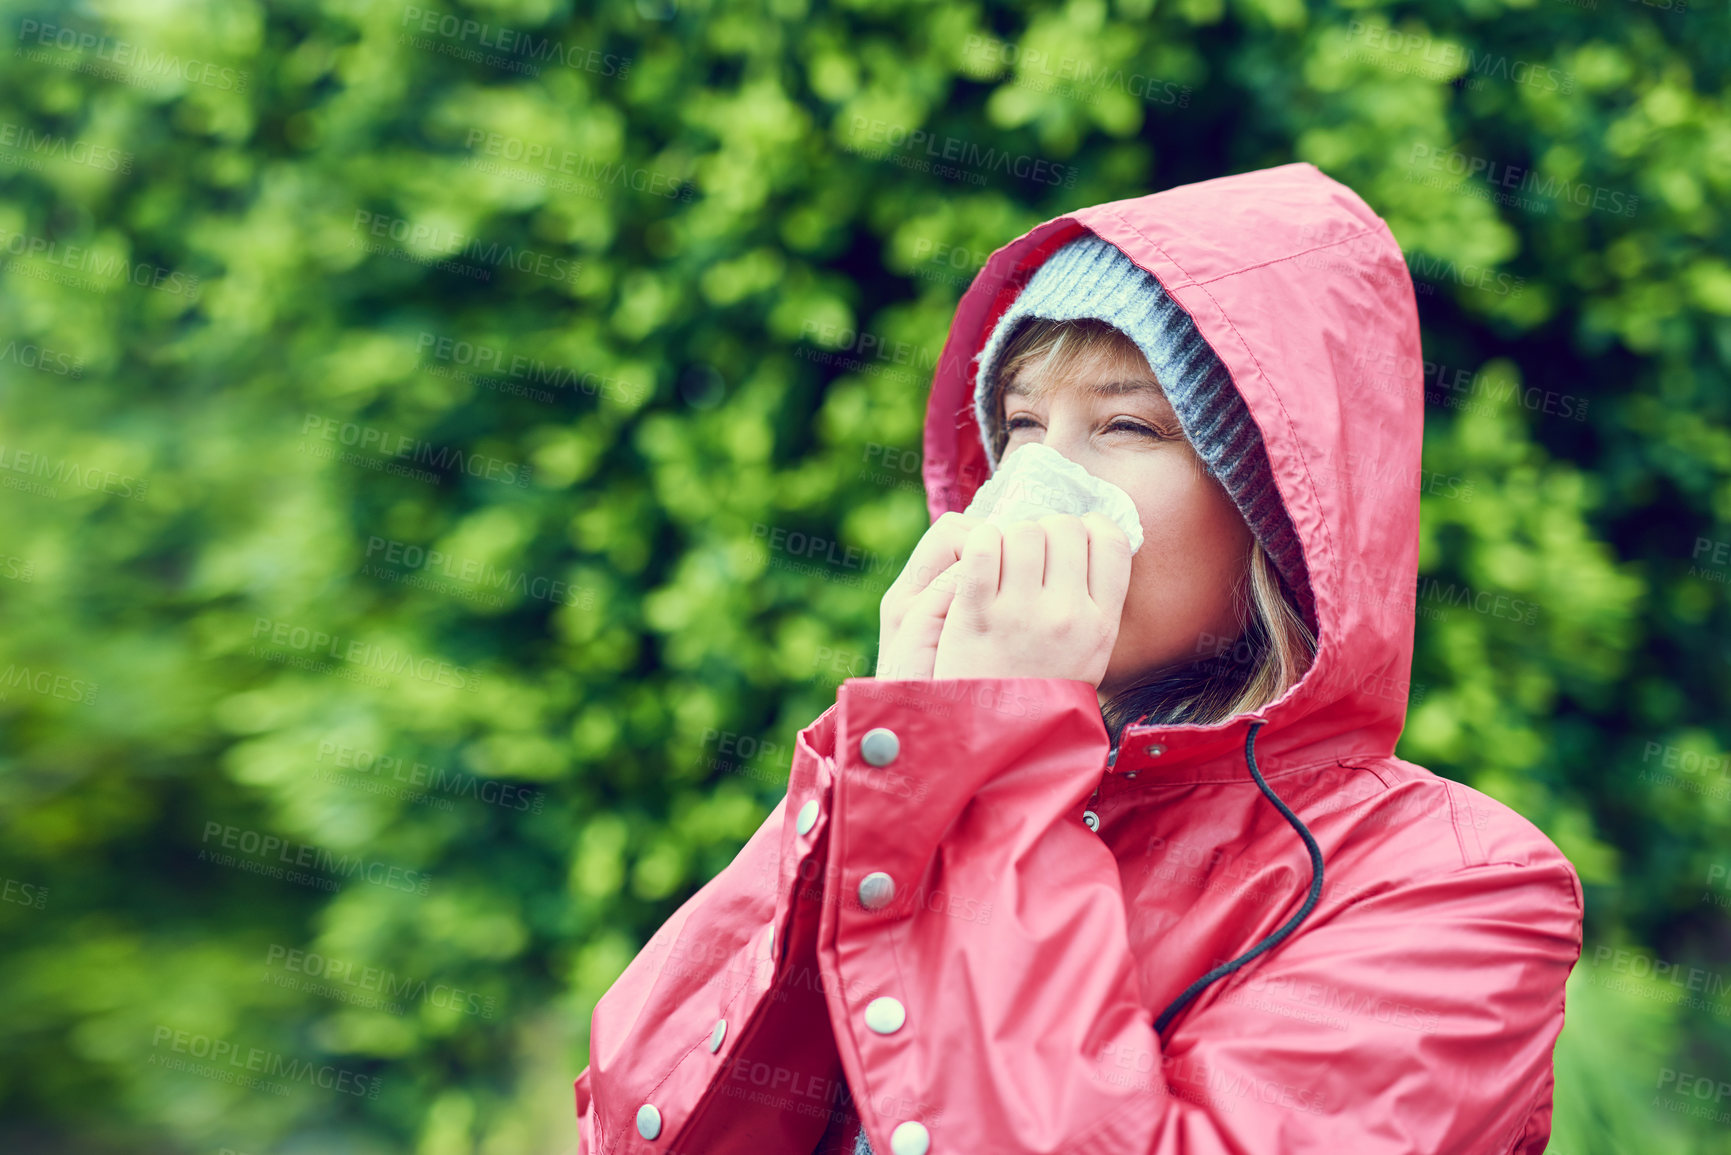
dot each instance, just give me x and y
(1275, 646)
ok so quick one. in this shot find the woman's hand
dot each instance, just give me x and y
(911, 614)
(1040, 599)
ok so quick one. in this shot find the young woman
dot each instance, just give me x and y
(1114, 857)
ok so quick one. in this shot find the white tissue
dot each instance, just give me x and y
(1035, 481)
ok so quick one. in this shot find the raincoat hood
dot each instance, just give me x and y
(1305, 296)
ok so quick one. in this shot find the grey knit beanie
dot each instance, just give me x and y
(1089, 277)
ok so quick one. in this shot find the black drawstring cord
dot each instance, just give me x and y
(1278, 936)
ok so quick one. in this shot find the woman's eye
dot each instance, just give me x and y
(1022, 421)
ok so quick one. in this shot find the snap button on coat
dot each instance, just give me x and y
(885, 1015)
(880, 746)
(910, 1138)
(876, 890)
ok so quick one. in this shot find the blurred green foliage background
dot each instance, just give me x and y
(399, 403)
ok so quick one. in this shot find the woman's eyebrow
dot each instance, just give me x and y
(1120, 388)
(1104, 389)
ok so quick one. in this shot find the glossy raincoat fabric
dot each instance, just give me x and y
(1413, 1010)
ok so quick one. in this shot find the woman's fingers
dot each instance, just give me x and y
(911, 652)
(933, 602)
(1108, 563)
(964, 567)
(1024, 565)
(936, 551)
(1066, 555)
(978, 575)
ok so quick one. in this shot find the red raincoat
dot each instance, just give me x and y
(1005, 998)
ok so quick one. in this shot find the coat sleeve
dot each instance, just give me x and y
(714, 1038)
(992, 1002)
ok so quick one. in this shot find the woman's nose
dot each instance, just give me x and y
(1068, 436)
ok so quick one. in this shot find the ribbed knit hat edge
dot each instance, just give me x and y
(1092, 278)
